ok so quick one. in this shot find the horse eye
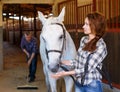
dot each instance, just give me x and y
(61, 36)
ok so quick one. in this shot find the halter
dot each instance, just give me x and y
(64, 43)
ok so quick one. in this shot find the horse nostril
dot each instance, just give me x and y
(53, 69)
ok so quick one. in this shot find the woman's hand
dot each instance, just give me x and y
(62, 74)
(58, 75)
(66, 62)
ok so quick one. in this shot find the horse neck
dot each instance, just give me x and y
(69, 48)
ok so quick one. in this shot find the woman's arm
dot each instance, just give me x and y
(62, 74)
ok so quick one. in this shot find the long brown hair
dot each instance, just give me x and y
(97, 24)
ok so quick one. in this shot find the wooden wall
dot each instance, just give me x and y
(110, 9)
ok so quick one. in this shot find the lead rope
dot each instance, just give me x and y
(83, 77)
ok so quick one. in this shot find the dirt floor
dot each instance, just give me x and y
(15, 72)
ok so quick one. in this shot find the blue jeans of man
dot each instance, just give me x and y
(94, 86)
(33, 67)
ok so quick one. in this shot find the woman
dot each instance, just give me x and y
(92, 45)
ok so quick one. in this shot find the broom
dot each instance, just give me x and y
(27, 86)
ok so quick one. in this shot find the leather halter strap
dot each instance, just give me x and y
(64, 42)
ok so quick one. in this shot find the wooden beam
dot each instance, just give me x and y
(27, 1)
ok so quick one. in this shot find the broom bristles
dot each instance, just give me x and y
(27, 87)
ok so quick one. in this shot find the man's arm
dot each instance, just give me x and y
(30, 59)
(34, 51)
(25, 51)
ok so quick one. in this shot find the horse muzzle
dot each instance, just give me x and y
(53, 68)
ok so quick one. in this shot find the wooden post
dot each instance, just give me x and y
(34, 20)
(94, 5)
(20, 26)
(7, 28)
(13, 29)
(110, 14)
(76, 32)
(117, 13)
(1, 38)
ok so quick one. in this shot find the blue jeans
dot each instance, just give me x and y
(95, 86)
(33, 67)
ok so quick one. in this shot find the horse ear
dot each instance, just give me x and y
(41, 17)
(61, 15)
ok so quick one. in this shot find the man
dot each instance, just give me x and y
(30, 48)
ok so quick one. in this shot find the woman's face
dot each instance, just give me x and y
(86, 27)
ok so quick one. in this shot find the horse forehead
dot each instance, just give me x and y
(52, 29)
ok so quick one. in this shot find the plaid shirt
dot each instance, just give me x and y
(31, 46)
(95, 60)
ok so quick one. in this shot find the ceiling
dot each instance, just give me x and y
(28, 10)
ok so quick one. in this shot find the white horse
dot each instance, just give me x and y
(55, 45)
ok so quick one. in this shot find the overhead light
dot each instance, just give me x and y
(4, 14)
(51, 14)
(14, 14)
(22, 17)
(9, 13)
(14, 17)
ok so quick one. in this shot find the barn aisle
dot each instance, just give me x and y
(15, 71)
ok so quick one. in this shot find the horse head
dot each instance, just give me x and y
(54, 37)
